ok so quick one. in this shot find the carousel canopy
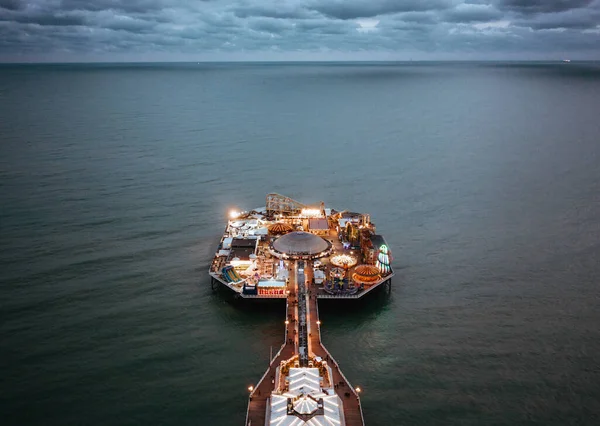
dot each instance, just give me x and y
(367, 270)
(343, 260)
(280, 228)
(366, 274)
(299, 242)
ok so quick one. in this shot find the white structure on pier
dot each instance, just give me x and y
(305, 402)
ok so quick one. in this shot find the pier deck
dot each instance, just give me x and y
(320, 292)
(257, 404)
(258, 401)
(352, 408)
(348, 395)
(259, 257)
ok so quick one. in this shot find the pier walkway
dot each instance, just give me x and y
(258, 402)
(348, 395)
(302, 338)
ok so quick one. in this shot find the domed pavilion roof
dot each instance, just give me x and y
(301, 243)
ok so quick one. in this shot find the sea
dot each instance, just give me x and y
(116, 180)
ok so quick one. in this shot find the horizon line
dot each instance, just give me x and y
(242, 61)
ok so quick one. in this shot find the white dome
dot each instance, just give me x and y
(300, 243)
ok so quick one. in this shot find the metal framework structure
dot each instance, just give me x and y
(277, 203)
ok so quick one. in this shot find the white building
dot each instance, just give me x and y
(305, 402)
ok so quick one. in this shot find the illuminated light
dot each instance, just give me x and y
(234, 214)
(383, 260)
(310, 212)
(286, 322)
(250, 388)
(235, 262)
(343, 260)
(318, 322)
(358, 389)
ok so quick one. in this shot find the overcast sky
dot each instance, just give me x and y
(155, 30)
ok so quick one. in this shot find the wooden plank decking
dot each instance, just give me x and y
(258, 402)
(352, 408)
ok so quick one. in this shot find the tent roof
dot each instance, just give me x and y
(302, 383)
(367, 270)
(280, 228)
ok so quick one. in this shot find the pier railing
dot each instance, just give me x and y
(339, 296)
(263, 296)
(264, 376)
(336, 365)
(302, 329)
(355, 295)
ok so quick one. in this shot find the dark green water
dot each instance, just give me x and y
(115, 181)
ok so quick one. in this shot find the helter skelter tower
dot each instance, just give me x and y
(383, 260)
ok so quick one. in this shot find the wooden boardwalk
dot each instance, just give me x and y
(257, 405)
(258, 402)
(352, 408)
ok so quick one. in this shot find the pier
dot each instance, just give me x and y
(288, 250)
(302, 339)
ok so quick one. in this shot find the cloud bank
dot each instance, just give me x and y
(298, 29)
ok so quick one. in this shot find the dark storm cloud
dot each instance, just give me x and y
(418, 17)
(472, 13)
(574, 19)
(325, 26)
(579, 14)
(352, 9)
(129, 6)
(48, 18)
(280, 11)
(542, 6)
(129, 24)
(11, 4)
(270, 25)
(42, 29)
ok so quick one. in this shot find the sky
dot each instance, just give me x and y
(258, 30)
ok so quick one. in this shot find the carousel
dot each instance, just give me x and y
(366, 274)
(337, 273)
(343, 261)
(280, 228)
